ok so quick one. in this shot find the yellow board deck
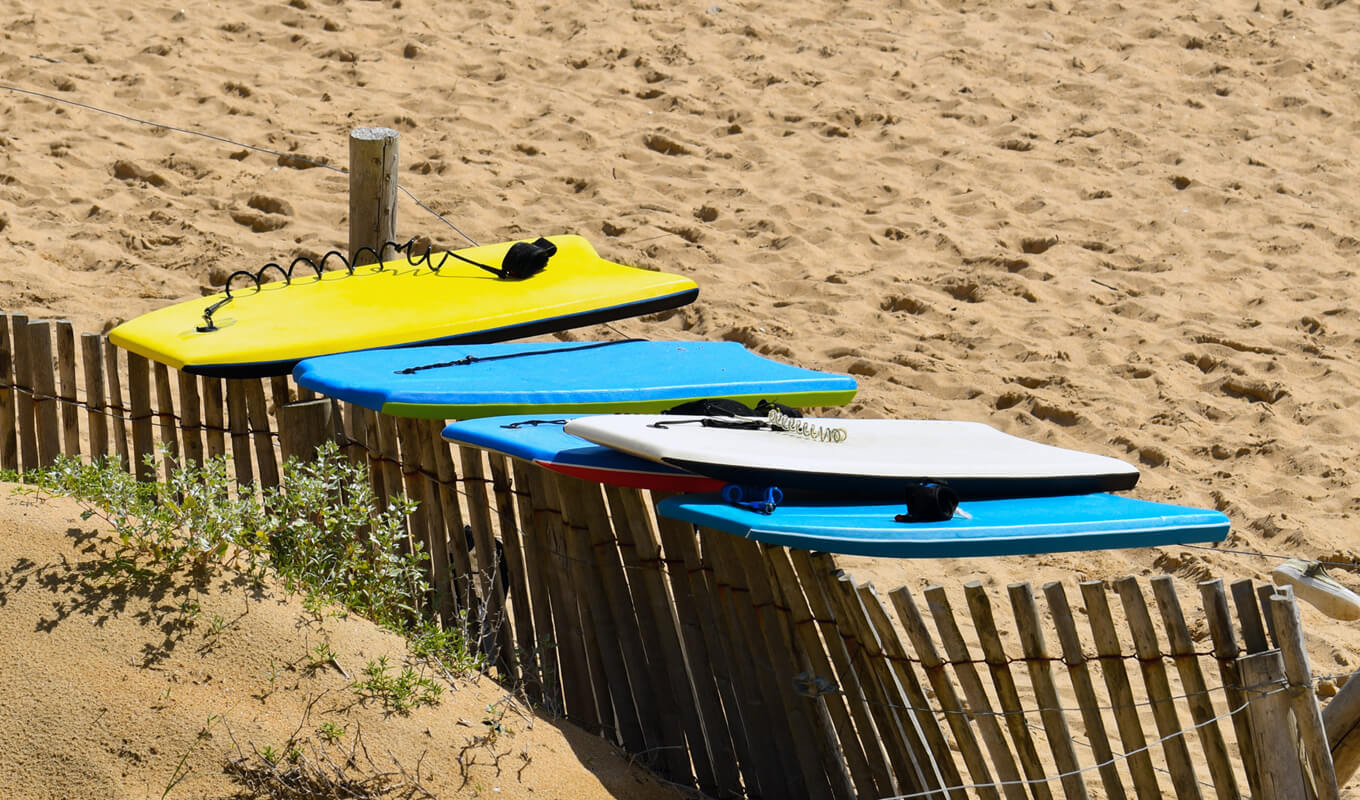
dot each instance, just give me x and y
(265, 331)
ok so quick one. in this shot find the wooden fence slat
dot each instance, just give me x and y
(695, 700)
(66, 375)
(1158, 688)
(355, 427)
(1120, 690)
(1249, 615)
(660, 720)
(998, 664)
(971, 682)
(821, 672)
(1196, 690)
(139, 394)
(633, 729)
(240, 432)
(214, 421)
(44, 391)
(928, 728)
(384, 430)
(191, 420)
(1294, 651)
(770, 776)
(853, 685)
(588, 698)
(538, 658)
(676, 700)
(512, 555)
(903, 747)
(165, 410)
(1272, 728)
(1226, 652)
(117, 408)
(1263, 593)
(705, 649)
(475, 485)
(257, 412)
(279, 392)
(464, 574)
(23, 382)
(1342, 718)
(96, 421)
(1028, 626)
(748, 647)
(438, 539)
(817, 750)
(1080, 675)
(419, 521)
(946, 697)
(9, 438)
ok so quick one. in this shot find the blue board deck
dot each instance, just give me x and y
(469, 381)
(539, 438)
(1022, 526)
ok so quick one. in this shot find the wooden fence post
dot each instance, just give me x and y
(372, 190)
(1273, 735)
(1304, 702)
(303, 428)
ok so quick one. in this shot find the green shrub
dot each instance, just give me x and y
(321, 531)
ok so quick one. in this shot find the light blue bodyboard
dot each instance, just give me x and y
(480, 380)
(1022, 526)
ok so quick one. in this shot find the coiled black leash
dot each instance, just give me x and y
(522, 260)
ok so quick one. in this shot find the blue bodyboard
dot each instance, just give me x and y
(1022, 526)
(469, 381)
(539, 438)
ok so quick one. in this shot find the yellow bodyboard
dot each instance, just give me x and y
(265, 331)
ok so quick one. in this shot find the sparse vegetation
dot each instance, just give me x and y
(399, 692)
(322, 532)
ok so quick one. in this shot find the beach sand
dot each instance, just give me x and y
(1122, 229)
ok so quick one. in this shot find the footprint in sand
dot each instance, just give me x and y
(265, 214)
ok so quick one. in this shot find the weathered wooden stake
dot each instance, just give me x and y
(1311, 729)
(372, 190)
(304, 427)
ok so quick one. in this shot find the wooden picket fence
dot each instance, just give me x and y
(730, 666)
